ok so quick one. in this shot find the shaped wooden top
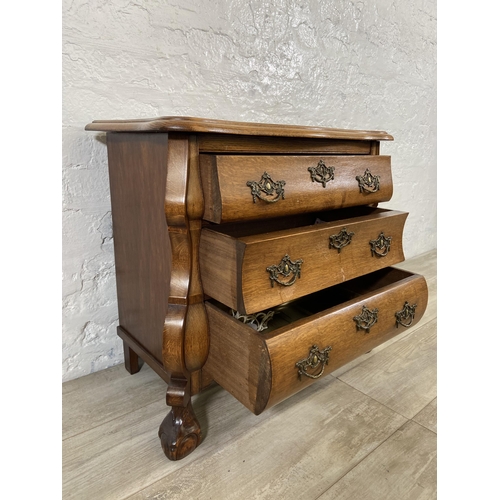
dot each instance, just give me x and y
(206, 125)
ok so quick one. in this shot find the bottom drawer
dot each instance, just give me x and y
(308, 338)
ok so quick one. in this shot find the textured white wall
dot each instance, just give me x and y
(362, 64)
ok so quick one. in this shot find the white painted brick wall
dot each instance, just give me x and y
(362, 64)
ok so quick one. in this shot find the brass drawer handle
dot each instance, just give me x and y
(341, 240)
(315, 358)
(368, 183)
(381, 246)
(406, 316)
(321, 173)
(285, 268)
(366, 319)
(267, 186)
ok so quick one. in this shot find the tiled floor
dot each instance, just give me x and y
(367, 431)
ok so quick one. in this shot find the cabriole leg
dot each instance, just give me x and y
(180, 431)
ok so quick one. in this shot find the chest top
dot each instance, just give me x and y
(191, 125)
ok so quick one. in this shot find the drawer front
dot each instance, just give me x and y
(263, 369)
(253, 273)
(239, 187)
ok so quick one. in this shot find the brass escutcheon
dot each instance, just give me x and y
(321, 173)
(285, 268)
(368, 183)
(366, 319)
(381, 246)
(315, 358)
(341, 240)
(266, 188)
(406, 315)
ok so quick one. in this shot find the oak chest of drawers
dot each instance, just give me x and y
(252, 255)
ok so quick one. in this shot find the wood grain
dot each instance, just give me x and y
(234, 270)
(111, 448)
(403, 468)
(208, 125)
(229, 198)
(220, 143)
(236, 359)
(137, 177)
(403, 376)
(185, 332)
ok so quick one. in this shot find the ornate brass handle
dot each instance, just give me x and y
(285, 268)
(321, 173)
(266, 188)
(257, 321)
(315, 358)
(366, 319)
(406, 315)
(368, 182)
(341, 240)
(381, 246)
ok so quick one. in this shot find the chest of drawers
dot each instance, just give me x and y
(253, 256)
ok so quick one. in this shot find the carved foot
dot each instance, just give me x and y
(180, 432)
(133, 363)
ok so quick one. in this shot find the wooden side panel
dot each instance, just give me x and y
(336, 328)
(220, 258)
(229, 197)
(217, 143)
(211, 189)
(238, 360)
(137, 176)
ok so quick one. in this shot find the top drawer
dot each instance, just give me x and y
(245, 187)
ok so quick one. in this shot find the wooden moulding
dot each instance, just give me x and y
(260, 369)
(241, 144)
(229, 198)
(234, 264)
(207, 125)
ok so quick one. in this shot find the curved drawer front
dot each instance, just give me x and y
(253, 272)
(243, 187)
(262, 369)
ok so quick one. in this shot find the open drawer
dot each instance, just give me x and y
(309, 337)
(249, 270)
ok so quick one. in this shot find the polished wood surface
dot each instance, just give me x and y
(259, 369)
(171, 179)
(337, 328)
(180, 432)
(207, 125)
(185, 332)
(229, 198)
(137, 176)
(330, 432)
(233, 269)
(244, 144)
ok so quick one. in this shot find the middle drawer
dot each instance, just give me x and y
(249, 271)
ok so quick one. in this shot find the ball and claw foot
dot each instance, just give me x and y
(179, 432)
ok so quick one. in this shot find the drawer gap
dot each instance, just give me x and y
(316, 303)
(242, 229)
